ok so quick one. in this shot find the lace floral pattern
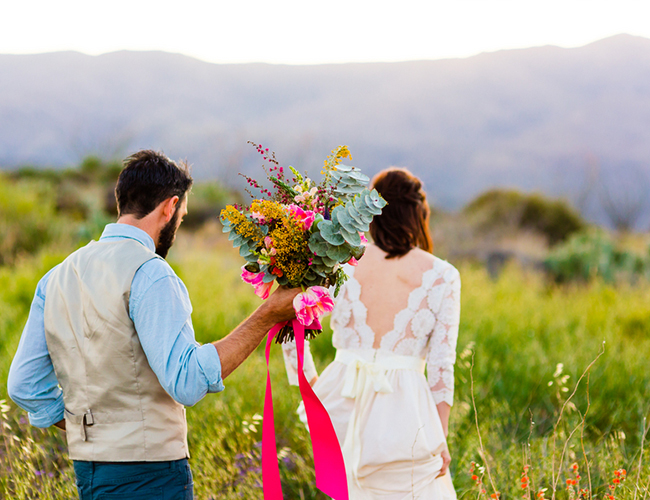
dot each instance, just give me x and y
(426, 328)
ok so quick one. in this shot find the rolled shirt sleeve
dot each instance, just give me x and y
(32, 383)
(161, 310)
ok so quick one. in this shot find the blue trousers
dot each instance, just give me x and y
(134, 480)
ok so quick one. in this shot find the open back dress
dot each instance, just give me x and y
(382, 405)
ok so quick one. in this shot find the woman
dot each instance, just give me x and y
(398, 313)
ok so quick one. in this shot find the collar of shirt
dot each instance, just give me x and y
(116, 230)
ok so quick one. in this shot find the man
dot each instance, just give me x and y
(109, 354)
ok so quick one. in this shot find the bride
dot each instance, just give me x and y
(398, 313)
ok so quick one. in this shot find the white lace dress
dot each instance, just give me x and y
(381, 404)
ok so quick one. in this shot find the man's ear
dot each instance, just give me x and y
(169, 207)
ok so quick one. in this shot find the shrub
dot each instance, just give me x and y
(205, 202)
(499, 208)
(591, 254)
(27, 218)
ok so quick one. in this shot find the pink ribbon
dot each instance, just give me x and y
(328, 459)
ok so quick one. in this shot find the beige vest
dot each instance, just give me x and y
(116, 410)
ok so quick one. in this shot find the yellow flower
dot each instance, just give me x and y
(335, 158)
(243, 226)
(269, 209)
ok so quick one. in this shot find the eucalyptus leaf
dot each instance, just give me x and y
(244, 251)
(330, 232)
(318, 248)
(358, 176)
(329, 262)
(353, 212)
(346, 221)
(339, 254)
(357, 252)
(344, 189)
(352, 238)
(336, 211)
(370, 206)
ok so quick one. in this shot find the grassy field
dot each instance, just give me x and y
(517, 330)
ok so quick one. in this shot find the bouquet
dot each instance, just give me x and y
(298, 233)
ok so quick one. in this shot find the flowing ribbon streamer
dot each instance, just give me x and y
(328, 459)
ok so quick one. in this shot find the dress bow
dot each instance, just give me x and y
(359, 374)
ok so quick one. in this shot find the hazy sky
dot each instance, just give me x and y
(310, 31)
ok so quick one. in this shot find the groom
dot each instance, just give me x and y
(108, 352)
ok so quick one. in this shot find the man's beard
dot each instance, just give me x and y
(167, 235)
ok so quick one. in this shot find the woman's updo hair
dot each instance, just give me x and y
(404, 222)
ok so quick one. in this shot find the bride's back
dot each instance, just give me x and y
(386, 285)
(394, 294)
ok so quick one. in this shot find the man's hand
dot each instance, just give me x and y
(279, 306)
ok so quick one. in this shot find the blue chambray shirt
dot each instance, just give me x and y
(161, 310)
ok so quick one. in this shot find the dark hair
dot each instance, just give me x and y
(404, 222)
(149, 178)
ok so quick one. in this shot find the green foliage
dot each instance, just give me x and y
(28, 218)
(205, 203)
(33, 471)
(349, 180)
(518, 328)
(593, 254)
(500, 208)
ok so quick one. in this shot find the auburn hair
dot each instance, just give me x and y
(404, 222)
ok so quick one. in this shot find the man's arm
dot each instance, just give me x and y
(242, 341)
(32, 383)
(160, 308)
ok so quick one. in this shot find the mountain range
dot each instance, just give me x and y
(572, 122)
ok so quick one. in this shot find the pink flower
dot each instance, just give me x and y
(364, 240)
(262, 290)
(258, 217)
(304, 217)
(312, 304)
(353, 261)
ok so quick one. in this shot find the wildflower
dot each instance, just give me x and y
(364, 240)
(258, 217)
(305, 195)
(305, 218)
(312, 304)
(262, 290)
(353, 261)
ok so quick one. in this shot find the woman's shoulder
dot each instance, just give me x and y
(432, 261)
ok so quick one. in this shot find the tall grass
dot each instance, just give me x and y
(518, 329)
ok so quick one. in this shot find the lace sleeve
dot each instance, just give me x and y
(291, 362)
(442, 346)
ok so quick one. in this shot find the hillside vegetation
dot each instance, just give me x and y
(528, 337)
(565, 121)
